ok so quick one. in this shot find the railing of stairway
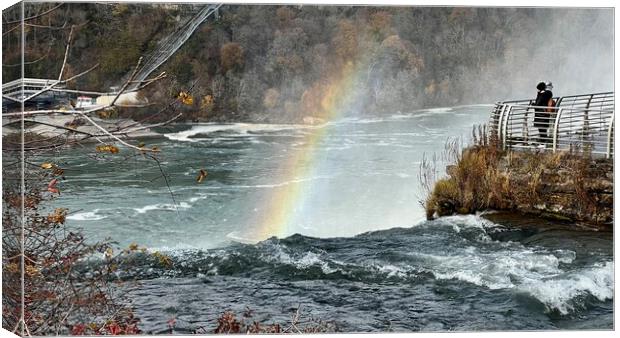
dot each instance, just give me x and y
(576, 121)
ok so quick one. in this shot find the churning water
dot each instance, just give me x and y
(328, 217)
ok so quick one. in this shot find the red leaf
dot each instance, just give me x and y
(114, 329)
(132, 329)
(51, 187)
(78, 330)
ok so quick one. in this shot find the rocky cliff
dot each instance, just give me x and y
(570, 186)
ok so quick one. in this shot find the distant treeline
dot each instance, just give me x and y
(286, 62)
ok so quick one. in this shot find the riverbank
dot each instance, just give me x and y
(567, 186)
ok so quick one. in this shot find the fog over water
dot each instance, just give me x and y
(573, 48)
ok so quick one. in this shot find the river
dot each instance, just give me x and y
(327, 217)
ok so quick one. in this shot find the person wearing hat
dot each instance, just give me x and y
(542, 116)
(549, 86)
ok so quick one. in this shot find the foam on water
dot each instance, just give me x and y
(544, 274)
(86, 216)
(548, 275)
(162, 206)
(560, 292)
(234, 128)
(281, 184)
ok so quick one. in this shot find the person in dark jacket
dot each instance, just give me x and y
(542, 116)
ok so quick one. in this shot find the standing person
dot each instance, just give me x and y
(542, 115)
(550, 104)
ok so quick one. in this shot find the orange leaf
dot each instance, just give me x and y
(107, 148)
(58, 216)
(201, 175)
(186, 99)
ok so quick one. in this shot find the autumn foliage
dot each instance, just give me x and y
(62, 295)
(231, 56)
(345, 42)
(230, 323)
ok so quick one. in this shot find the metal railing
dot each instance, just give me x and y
(14, 91)
(577, 121)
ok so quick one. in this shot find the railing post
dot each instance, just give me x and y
(610, 138)
(500, 122)
(585, 129)
(555, 128)
(525, 130)
(505, 125)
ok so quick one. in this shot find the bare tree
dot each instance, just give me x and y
(49, 286)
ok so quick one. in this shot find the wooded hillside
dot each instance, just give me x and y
(281, 63)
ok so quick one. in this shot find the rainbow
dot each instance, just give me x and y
(281, 209)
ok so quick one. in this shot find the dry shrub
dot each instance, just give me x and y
(345, 41)
(207, 103)
(292, 62)
(59, 296)
(228, 323)
(70, 283)
(474, 181)
(579, 163)
(12, 141)
(380, 23)
(231, 56)
(285, 15)
(483, 176)
(443, 199)
(271, 98)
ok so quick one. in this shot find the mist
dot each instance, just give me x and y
(494, 54)
(573, 48)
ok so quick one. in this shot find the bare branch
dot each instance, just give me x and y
(80, 74)
(153, 125)
(64, 26)
(51, 125)
(87, 118)
(134, 105)
(170, 105)
(50, 146)
(167, 183)
(150, 81)
(64, 62)
(160, 76)
(10, 30)
(49, 48)
(43, 90)
(144, 83)
(133, 74)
